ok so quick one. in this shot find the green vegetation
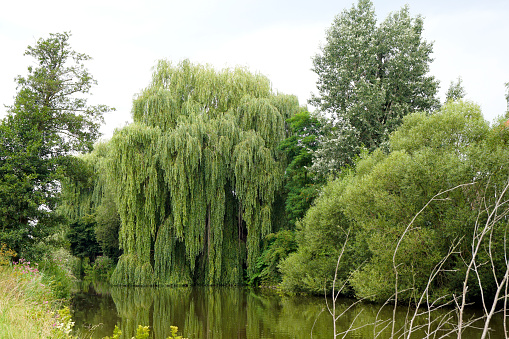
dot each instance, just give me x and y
(49, 121)
(369, 77)
(193, 178)
(374, 203)
(382, 194)
(30, 302)
(300, 184)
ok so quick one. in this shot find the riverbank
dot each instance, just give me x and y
(28, 306)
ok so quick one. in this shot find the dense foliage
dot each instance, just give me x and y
(193, 178)
(300, 184)
(49, 121)
(82, 239)
(219, 180)
(374, 203)
(88, 203)
(369, 77)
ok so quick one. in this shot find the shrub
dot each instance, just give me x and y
(5, 255)
(58, 267)
(103, 268)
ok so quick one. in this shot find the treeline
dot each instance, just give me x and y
(221, 181)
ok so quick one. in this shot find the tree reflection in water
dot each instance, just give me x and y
(220, 312)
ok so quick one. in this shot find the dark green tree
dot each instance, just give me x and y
(49, 121)
(300, 186)
(299, 192)
(369, 77)
(89, 199)
(107, 227)
(82, 239)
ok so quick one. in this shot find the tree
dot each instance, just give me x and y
(107, 227)
(301, 188)
(49, 121)
(194, 178)
(88, 200)
(82, 239)
(456, 91)
(369, 77)
(376, 201)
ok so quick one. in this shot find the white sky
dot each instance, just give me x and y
(276, 38)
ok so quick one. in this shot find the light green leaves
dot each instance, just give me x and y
(195, 175)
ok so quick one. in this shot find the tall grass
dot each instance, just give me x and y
(28, 304)
(25, 305)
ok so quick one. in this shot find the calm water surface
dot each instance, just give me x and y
(227, 312)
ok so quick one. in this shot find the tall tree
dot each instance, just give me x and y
(195, 175)
(369, 77)
(49, 121)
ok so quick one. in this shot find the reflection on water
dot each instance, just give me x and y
(227, 312)
(199, 312)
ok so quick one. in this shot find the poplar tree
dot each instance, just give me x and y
(195, 175)
(370, 76)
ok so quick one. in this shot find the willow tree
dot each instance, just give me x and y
(195, 175)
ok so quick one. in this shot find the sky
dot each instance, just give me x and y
(276, 38)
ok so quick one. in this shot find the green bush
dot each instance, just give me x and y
(375, 203)
(102, 268)
(277, 247)
(57, 268)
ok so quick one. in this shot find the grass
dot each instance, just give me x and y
(30, 308)
(27, 305)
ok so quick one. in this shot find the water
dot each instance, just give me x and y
(230, 312)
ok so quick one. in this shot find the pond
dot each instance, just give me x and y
(230, 312)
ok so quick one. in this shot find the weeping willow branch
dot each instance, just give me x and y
(196, 174)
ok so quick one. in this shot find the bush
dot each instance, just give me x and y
(57, 268)
(5, 255)
(103, 268)
(277, 247)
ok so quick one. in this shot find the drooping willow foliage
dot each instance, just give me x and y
(195, 175)
(84, 193)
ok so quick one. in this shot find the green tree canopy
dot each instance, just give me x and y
(82, 239)
(376, 201)
(88, 201)
(301, 189)
(49, 121)
(369, 77)
(195, 175)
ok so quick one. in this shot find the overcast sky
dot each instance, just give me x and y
(276, 38)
